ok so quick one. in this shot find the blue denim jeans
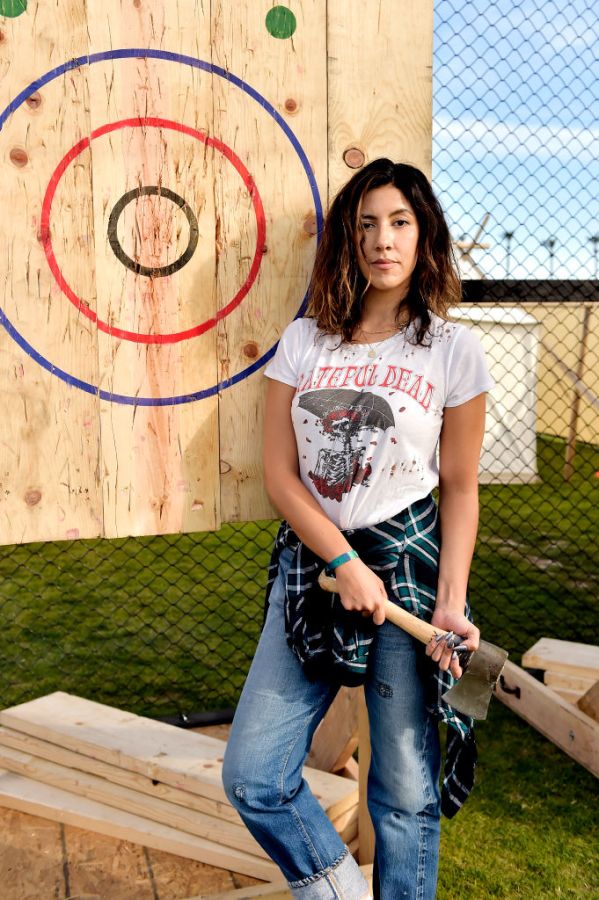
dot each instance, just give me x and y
(277, 715)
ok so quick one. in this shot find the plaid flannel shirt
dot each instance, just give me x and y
(333, 643)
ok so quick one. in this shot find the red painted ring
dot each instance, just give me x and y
(81, 305)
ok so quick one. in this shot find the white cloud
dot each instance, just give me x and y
(518, 139)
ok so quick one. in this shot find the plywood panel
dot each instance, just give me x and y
(272, 112)
(50, 431)
(153, 178)
(380, 84)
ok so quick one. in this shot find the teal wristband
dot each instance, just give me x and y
(339, 560)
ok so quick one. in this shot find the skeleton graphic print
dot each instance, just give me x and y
(347, 420)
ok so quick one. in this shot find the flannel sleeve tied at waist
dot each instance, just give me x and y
(333, 643)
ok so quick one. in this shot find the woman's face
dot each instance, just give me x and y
(387, 241)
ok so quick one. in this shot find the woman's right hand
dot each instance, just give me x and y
(360, 590)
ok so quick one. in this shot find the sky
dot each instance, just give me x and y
(516, 132)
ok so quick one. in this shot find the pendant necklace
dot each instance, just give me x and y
(372, 353)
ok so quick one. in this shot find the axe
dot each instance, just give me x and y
(472, 693)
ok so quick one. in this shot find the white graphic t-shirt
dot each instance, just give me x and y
(367, 417)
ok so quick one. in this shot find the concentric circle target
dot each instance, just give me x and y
(130, 197)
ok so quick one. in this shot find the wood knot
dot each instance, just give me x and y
(225, 467)
(32, 498)
(34, 101)
(310, 226)
(251, 350)
(19, 157)
(291, 105)
(354, 158)
(2, 37)
(136, 3)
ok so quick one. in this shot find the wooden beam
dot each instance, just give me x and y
(569, 657)
(336, 737)
(589, 702)
(566, 726)
(365, 829)
(51, 752)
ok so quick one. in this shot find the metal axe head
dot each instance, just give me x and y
(472, 693)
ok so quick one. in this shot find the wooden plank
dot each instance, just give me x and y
(390, 114)
(589, 702)
(159, 463)
(289, 76)
(115, 774)
(336, 737)
(347, 824)
(26, 795)
(50, 428)
(365, 829)
(31, 857)
(570, 729)
(567, 681)
(171, 755)
(276, 891)
(229, 834)
(569, 657)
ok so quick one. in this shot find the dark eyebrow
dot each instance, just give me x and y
(397, 212)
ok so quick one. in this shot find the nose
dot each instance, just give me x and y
(384, 237)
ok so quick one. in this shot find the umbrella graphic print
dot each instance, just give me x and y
(344, 415)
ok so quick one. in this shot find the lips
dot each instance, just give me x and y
(383, 264)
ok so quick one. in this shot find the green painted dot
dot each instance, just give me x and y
(280, 22)
(12, 8)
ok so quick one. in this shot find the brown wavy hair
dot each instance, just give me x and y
(337, 286)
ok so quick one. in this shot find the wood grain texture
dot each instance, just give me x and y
(77, 465)
(569, 657)
(159, 463)
(26, 795)
(228, 834)
(49, 486)
(167, 754)
(380, 83)
(291, 76)
(563, 723)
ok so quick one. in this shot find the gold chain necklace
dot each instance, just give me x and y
(372, 353)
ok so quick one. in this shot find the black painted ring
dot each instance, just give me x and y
(151, 271)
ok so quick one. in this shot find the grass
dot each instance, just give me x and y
(531, 826)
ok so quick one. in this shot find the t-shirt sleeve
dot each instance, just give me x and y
(468, 374)
(284, 365)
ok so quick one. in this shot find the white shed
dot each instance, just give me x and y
(510, 337)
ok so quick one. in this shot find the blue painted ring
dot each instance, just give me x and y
(127, 53)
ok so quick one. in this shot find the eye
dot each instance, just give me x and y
(401, 222)
(366, 226)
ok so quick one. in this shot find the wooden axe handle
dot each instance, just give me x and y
(418, 628)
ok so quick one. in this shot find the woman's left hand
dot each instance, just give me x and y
(449, 620)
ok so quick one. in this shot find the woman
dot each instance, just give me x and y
(362, 394)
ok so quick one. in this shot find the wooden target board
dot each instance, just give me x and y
(165, 170)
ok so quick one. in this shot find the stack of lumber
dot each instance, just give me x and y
(569, 668)
(565, 708)
(85, 764)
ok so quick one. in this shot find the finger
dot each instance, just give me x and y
(455, 667)
(379, 615)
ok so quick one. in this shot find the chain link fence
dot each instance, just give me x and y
(166, 626)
